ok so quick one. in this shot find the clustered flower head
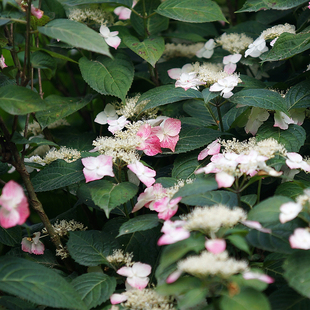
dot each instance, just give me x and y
(235, 43)
(120, 258)
(62, 227)
(90, 14)
(67, 154)
(173, 50)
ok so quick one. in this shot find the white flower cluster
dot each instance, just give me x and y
(98, 16)
(210, 219)
(173, 50)
(209, 264)
(120, 258)
(67, 154)
(62, 227)
(235, 43)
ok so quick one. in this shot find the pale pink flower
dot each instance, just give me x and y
(295, 161)
(33, 245)
(176, 73)
(123, 12)
(256, 119)
(249, 275)
(173, 232)
(36, 12)
(212, 149)
(137, 275)
(174, 276)
(150, 143)
(145, 174)
(289, 211)
(117, 124)
(281, 120)
(189, 80)
(117, 298)
(256, 48)
(168, 133)
(110, 38)
(230, 62)
(207, 50)
(225, 86)
(108, 114)
(251, 162)
(166, 207)
(300, 239)
(215, 246)
(14, 205)
(298, 116)
(224, 179)
(256, 225)
(95, 168)
(2, 62)
(148, 197)
(308, 6)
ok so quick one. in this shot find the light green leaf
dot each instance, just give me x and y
(248, 298)
(167, 94)
(108, 76)
(192, 137)
(94, 288)
(79, 2)
(58, 174)
(261, 98)
(185, 165)
(193, 297)
(193, 11)
(76, 34)
(297, 272)
(19, 100)
(61, 107)
(11, 236)
(139, 223)
(37, 284)
(150, 49)
(178, 287)
(107, 195)
(298, 96)
(268, 211)
(287, 45)
(293, 138)
(212, 198)
(91, 247)
(283, 4)
(239, 242)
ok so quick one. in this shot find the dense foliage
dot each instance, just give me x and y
(154, 154)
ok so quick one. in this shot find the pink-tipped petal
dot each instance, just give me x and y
(117, 298)
(249, 275)
(138, 283)
(125, 271)
(143, 270)
(224, 179)
(174, 73)
(174, 276)
(215, 246)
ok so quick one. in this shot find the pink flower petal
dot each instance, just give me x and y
(145, 174)
(215, 246)
(117, 298)
(142, 270)
(174, 276)
(249, 275)
(224, 179)
(300, 239)
(174, 73)
(125, 271)
(139, 283)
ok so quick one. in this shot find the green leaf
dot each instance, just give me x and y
(199, 186)
(180, 286)
(94, 288)
(232, 116)
(196, 108)
(108, 76)
(107, 195)
(154, 24)
(193, 297)
(298, 96)
(193, 11)
(79, 2)
(293, 138)
(150, 49)
(239, 242)
(248, 298)
(61, 107)
(297, 272)
(18, 100)
(288, 299)
(268, 211)
(14, 303)
(192, 137)
(261, 98)
(53, 54)
(287, 45)
(37, 284)
(91, 247)
(76, 34)
(252, 6)
(283, 4)
(11, 236)
(42, 60)
(249, 199)
(167, 94)
(185, 165)
(58, 174)
(139, 223)
(212, 198)
(19, 139)
(290, 189)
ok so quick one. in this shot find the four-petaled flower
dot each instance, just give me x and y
(137, 275)
(225, 86)
(144, 174)
(108, 114)
(14, 205)
(33, 245)
(95, 168)
(207, 50)
(256, 48)
(110, 38)
(117, 124)
(173, 232)
(230, 63)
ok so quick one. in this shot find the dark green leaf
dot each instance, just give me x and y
(14, 303)
(11, 236)
(108, 76)
(298, 96)
(42, 60)
(107, 195)
(37, 284)
(185, 165)
(239, 242)
(283, 4)
(94, 288)
(196, 108)
(290, 189)
(76, 34)
(261, 98)
(79, 2)
(58, 174)
(193, 11)
(139, 223)
(253, 6)
(91, 247)
(19, 100)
